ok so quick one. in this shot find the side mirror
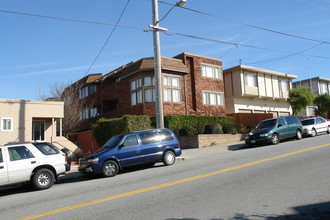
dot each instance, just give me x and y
(121, 146)
(279, 125)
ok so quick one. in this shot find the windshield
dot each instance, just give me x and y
(113, 142)
(307, 122)
(267, 124)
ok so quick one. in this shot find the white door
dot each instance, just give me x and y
(21, 164)
(3, 168)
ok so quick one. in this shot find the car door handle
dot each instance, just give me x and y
(137, 151)
(2, 167)
(32, 162)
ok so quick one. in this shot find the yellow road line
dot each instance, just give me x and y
(79, 205)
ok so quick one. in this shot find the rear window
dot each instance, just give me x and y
(307, 122)
(291, 120)
(165, 135)
(46, 148)
(149, 137)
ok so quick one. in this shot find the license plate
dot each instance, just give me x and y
(253, 141)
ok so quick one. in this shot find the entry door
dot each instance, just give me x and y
(38, 131)
(3, 168)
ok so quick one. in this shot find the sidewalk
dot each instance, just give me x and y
(191, 153)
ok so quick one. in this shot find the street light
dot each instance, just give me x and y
(157, 60)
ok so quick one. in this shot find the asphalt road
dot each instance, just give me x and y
(286, 181)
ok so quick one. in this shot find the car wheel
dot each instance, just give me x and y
(298, 135)
(43, 179)
(169, 158)
(275, 139)
(110, 168)
(328, 131)
(313, 133)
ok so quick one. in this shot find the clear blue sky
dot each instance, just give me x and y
(37, 52)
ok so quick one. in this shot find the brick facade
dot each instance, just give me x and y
(113, 96)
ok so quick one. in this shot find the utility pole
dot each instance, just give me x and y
(157, 67)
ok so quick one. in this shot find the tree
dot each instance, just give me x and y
(323, 105)
(300, 98)
(69, 93)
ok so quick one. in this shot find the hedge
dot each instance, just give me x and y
(192, 125)
(104, 128)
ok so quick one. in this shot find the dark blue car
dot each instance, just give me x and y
(136, 148)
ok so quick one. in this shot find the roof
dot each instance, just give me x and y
(146, 64)
(315, 78)
(258, 70)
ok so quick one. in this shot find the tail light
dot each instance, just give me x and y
(179, 145)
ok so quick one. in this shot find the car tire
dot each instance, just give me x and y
(110, 168)
(43, 179)
(313, 134)
(169, 158)
(328, 131)
(275, 139)
(298, 135)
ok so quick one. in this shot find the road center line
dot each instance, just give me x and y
(79, 205)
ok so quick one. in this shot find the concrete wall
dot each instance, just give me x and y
(204, 140)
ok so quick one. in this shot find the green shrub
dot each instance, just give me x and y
(213, 129)
(193, 125)
(234, 129)
(104, 128)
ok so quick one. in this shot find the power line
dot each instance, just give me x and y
(265, 61)
(249, 25)
(105, 43)
(246, 45)
(70, 19)
(315, 5)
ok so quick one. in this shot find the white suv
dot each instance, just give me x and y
(38, 163)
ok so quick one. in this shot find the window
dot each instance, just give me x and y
(149, 137)
(165, 135)
(19, 153)
(6, 124)
(46, 149)
(213, 98)
(130, 140)
(284, 85)
(1, 159)
(291, 120)
(88, 113)
(323, 88)
(211, 71)
(142, 90)
(251, 80)
(172, 89)
(86, 91)
(281, 121)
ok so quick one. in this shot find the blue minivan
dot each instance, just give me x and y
(131, 149)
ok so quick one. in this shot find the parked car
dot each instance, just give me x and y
(131, 149)
(38, 163)
(314, 126)
(274, 130)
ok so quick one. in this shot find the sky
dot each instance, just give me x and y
(44, 43)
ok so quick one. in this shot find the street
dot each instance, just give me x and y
(285, 181)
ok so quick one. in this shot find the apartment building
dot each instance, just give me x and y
(318, 85)
(192, 85)
(253, 90)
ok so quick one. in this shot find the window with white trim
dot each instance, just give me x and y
(88, 113)
(251, 79)
(142, 90)
(211, 71)
(6, 124)
(213, 98)
(86, 91)
(172, 89)
(323, 88)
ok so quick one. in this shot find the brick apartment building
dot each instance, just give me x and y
(192, 85)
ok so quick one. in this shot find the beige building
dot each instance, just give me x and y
(318, 85)
(253, 90)
(26, 121)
